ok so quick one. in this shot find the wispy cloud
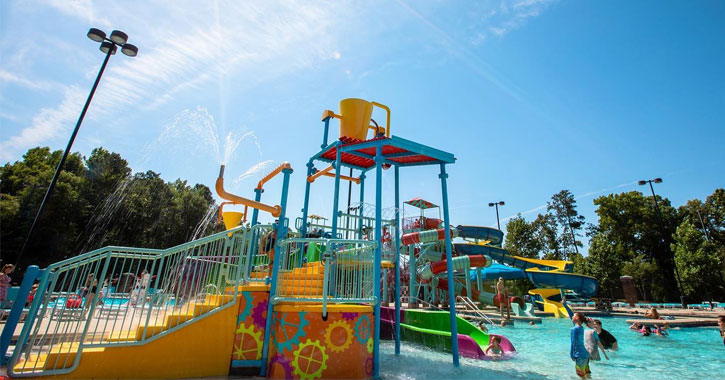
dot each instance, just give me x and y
(46, 124)
(8, 77)
(181, 51)
(512, 15)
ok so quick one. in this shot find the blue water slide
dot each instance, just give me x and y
(498, 254)
(493, 235)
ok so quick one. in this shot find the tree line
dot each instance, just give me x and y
(660, 246)
(97, 202)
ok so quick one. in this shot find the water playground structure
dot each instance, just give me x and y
(269, 300)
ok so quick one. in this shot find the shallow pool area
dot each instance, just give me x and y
(543, 353)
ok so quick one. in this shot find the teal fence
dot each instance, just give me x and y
(126, 296)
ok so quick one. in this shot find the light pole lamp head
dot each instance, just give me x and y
(118, 37)
(642, 182)
(658, 180)
(501, 203)
(96, 35)
(491, 204)
(106, 46)
(129, 50)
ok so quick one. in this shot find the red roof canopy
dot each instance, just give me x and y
(363, 157)
(420, 203)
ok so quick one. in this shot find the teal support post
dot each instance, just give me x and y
(281, 233)
(397, 260)
(305, 208)
(413, 287)
(324, 135)
(255, 220)
(385, 286)
(336, 194)
(468, 284)
(479, 278)
(378, 255)
(255, 212)
(449, 267)
(29, 320)
(362, 203)
(31, 274)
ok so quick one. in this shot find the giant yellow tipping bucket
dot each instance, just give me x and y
(232, 218)
(355, 118)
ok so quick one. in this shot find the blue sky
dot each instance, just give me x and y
(532, 96)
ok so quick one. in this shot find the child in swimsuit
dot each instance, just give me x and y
(578, 352)
(494, 349)
(721, 323)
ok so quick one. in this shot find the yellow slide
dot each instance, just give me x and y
(550, 306)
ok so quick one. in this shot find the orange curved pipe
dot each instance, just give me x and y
(326, 172)
(313, 177)
(346, 178)
(274, 210)
(284, 165)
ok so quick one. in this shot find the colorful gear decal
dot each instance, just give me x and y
(283, 362)
(349, 316)
(329, 340)
(310, 360)
(370, 345)
(288, 341)
(248, 299)
(258, 317)
(248, 343)
(362, 329)
(369, 366)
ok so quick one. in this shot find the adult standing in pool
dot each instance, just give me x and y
(503, 298)
(605, 337)
(721, 323)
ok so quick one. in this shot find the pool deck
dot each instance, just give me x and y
(683, 318)
(684, 322)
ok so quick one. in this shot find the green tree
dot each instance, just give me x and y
(547, 230)
(95, 203)
(567, 217)
(604, 263)
(630, 222)
(699, 262)
(522, 238)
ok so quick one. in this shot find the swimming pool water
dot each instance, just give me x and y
(543, 353)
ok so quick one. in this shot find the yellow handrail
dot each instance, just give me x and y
(275, 210)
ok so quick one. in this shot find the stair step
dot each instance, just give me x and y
(121, 336)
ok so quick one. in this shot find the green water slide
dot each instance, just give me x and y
(432, 329)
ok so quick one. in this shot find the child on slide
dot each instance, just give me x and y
(494, 349)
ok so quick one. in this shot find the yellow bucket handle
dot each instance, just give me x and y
(387, 123)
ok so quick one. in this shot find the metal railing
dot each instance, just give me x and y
(125, 296)
(335, 271)
(257, 248)
(471, 306)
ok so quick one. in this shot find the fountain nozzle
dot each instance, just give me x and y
(221, 172)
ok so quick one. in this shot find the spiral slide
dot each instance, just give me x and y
(433, 329)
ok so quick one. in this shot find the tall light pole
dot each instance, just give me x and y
(108, 46)
(492, 204)
(662, 227)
